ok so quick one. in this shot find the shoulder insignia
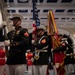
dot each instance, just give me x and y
(43, 41)
(26, 34)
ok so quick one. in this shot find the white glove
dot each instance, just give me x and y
(66, 42)
(57, 65)
(7, 42)
(28, 51)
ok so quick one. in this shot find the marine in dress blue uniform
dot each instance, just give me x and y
(19, 41)
(42, 52)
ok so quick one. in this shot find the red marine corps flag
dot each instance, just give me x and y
(58, 57)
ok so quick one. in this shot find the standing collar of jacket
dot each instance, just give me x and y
(18, 28)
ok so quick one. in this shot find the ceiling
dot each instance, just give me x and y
(64, 11)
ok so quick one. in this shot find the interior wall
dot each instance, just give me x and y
(70, 30)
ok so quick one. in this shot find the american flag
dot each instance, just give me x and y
(36, 21)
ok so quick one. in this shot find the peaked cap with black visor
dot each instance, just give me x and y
(16, 17)
(40, 29)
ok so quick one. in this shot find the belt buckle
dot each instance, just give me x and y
(36, 55)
